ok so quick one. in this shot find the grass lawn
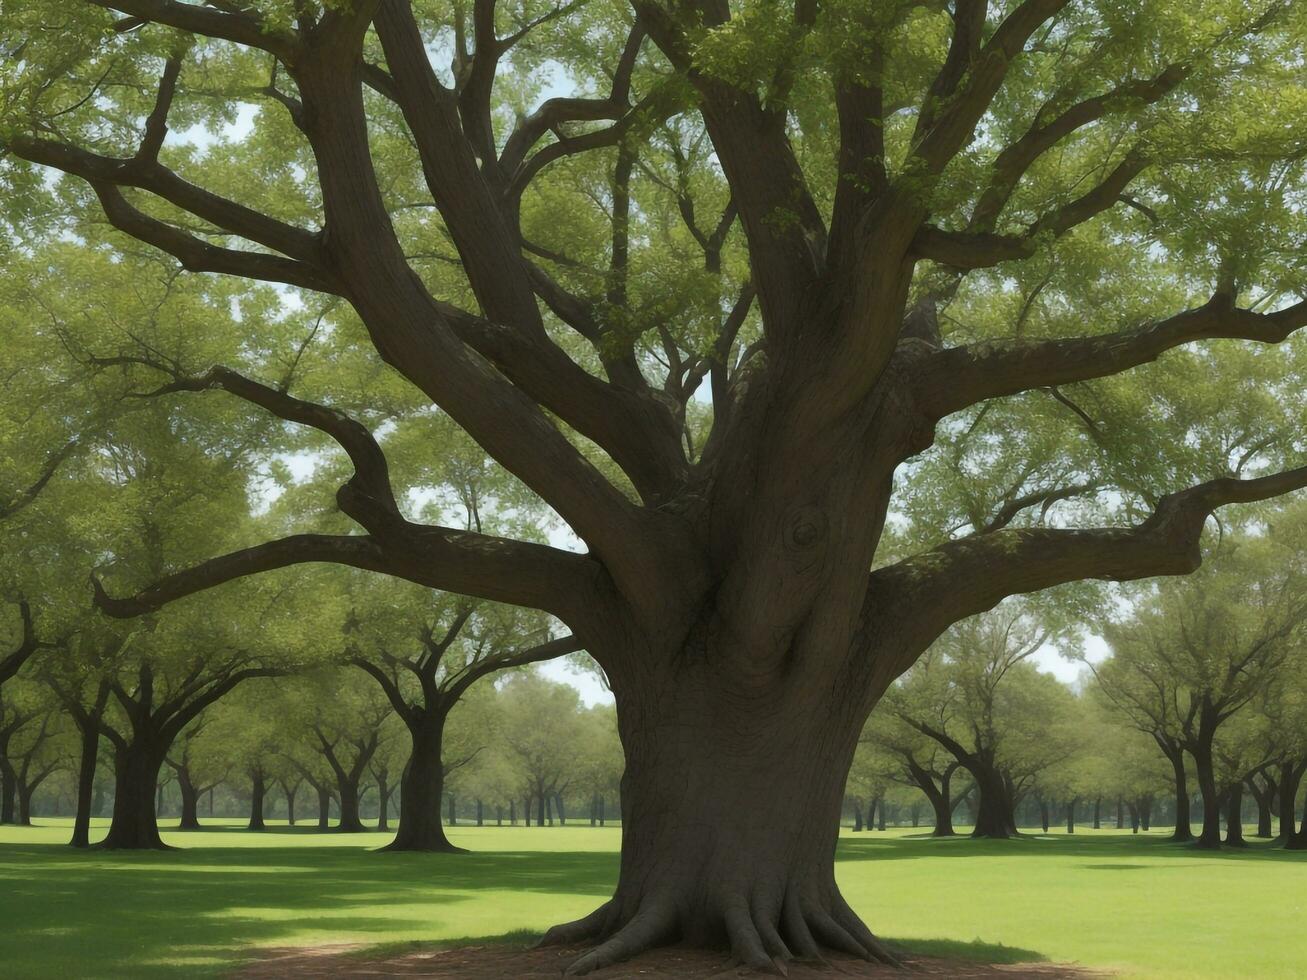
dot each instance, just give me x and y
(1107, 900)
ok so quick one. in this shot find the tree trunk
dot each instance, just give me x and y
(880, 814)
(421, 789)
(1120, 814)
(540, 808)
(383, 804)
(90, 751)
(1290, 778)
(1043, 815)
(8, 790)
(1183, 830)
(1098, 812)
(350, 821)
(857, 817)
(1234, 816)
(1146, 812)
(562, 813)
(190, 819)
(601, 809)
(324, 808)
(1071, 818)
(257, 791)
(134, 825)
(994, 810)
(25, 794)
(1210, 838)
(1265, 797)
(290, 804)
(480, 821)
(512, 813)
(767, 885)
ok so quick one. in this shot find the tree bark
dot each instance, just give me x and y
(8, 790)
(384, 789)
(1098, 812)
(1234, 816)
(290, 803)
(770, 882)
(134, 824)
(90, 752)
(1265, 798)
(324, 808)
(1291, 774)
(190, 818)
(857, 817)
(350, 821)
(1210, 838)
(1071, 818)
(1183, 830)
(421, 792)
(258, 789)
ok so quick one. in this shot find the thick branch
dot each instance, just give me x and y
(968, 576)
(961, 376)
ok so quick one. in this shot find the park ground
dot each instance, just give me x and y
(1112, 902)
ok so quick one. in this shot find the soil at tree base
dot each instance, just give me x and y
(671, 963)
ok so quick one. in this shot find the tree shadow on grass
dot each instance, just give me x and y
(192, 912)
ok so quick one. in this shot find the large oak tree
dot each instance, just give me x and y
(858, 228)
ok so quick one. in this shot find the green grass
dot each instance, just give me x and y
(1133, 904)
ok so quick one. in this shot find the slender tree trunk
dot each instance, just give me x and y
(1264, 797)
(1290, 779)
(134, 825)
(190, 818)
(1146, 812)
(1120, 814)
(880, 814)
(1183, 830)
(25, 794)
(1234, 816)
(258, 789)
(324, 808)
(1210, 838)
(602, 804)
(480, 821)
(383, 804)
(1043, 815)
(421, 789)
(857, 817)
(540, 809)
(562, 813)
(1071, 818)
(90, 752)
(512, 813)
(290, 803)
(1098, 812)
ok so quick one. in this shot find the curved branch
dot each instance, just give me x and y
(953, 379)
(243, 27)
(968, 576)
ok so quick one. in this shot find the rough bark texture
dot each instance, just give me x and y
(134, 825)
(421, 792)
(258, 790)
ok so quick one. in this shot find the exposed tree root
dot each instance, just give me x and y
(759, 937)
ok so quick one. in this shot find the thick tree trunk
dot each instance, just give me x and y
(421, 789)
(994, 811)
(134, 825)
(258, 789)
(765, 887)
(90, 751)
(1183, 830)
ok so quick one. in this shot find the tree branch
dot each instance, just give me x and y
(953, 379)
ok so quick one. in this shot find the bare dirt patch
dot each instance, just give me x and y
(502, 961)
